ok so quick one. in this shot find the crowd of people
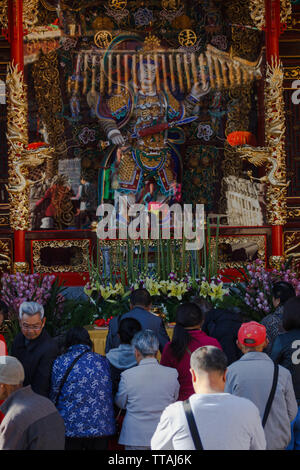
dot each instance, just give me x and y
(220, 383)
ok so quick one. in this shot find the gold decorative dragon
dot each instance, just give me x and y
(273, 154)
(262, 156)
(30, 158)
(21, 157)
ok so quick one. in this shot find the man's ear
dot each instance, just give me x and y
(193, 375)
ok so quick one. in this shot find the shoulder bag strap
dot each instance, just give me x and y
(192, 425)
(62, 383)
(271, 396)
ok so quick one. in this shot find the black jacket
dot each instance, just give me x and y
(147, 320)
(286, 352)
(37, 358)
(224, 326)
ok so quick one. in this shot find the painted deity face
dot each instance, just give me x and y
(147, 73)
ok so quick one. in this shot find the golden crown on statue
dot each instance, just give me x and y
(151, 45)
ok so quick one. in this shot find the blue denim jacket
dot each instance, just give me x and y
(85, 401)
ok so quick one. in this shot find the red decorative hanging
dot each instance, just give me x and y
(36, 145)
(241, 138)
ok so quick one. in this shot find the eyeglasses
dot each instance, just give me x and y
(31, 327)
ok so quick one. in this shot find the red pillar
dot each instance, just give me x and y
(272, 33)
(15, 37)
(272, 29)
(15, 32)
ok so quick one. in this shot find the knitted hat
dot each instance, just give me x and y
(11, 371)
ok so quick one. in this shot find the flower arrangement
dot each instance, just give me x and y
(253, 293)
(213, 291)
(169, 293)
(109, 298)
(20, 287)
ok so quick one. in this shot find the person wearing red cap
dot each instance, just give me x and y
(253, 377)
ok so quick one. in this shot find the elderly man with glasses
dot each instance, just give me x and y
(35, 348)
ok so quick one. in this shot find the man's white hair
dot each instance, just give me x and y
(31, 308)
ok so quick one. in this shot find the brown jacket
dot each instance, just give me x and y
(31, 422)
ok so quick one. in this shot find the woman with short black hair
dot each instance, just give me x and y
(122, 357)
(187, 337)
(281, 292)
(81, 388)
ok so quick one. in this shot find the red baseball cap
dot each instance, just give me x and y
(252, 334)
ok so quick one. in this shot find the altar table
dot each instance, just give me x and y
(98, 336)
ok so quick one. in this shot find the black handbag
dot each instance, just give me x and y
(62, 383)
(192, 425)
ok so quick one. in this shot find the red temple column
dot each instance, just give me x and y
(273, 29)
(15, 37)
(15, 32)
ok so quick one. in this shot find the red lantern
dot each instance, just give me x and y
(241, 138)
(36, 145)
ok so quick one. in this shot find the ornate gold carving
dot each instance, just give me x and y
(117, 4)
(30, 13)
(245, 42)
(292, 247)
(275, 141)
(257, 12)
(273, 155)
(276, 262)
(29, 159)
(292, 22)
(151, 43)
(46, 77)
(20, 158)
(3, 13)
(5, 255)
(259, 156)
(17, 139)
(4, 220)
(294, 212)
(102, 39)
(291, 73)
(187, 38)
(21, 267)
(292, 241)
(81, 266)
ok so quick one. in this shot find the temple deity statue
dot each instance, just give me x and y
(141, 119)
